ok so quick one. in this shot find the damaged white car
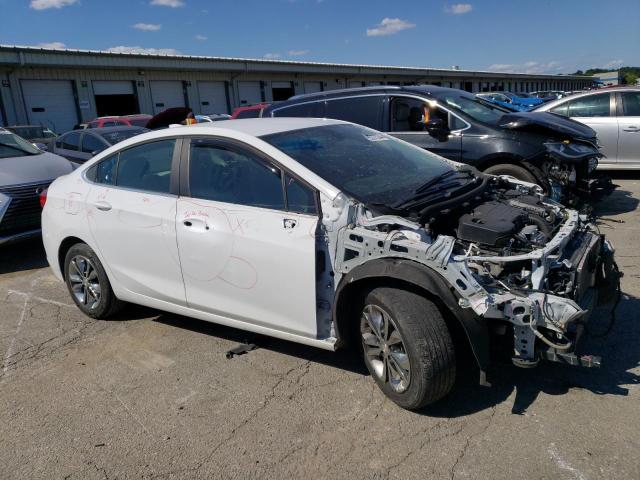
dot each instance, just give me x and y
(330, 234)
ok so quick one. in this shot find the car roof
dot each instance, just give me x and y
(119, 128)
(258, 127)
(553, 103)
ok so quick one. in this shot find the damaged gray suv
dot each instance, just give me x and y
(331, 234)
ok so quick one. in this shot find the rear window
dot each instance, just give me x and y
(118, 136)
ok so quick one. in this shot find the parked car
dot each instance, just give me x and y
(215, 117)
(81, 145)
(25, 173)
(529, 101)
(549, 95)
(614, 113)
(138, 120)
(324, 233)
(558, 154)
(503, 101)
(251, 111)
(36, 134)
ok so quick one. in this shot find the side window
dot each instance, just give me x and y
(455, 123)
(228, 175)
(91, 144)
(300, 198)
(562, 109)
(590, 106)
(313, 109)
(105, 171)
(146, 167)
(630, 104)
(71, 141)
(411, 115)
(365, 111)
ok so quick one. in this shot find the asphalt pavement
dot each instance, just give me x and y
(151, 395)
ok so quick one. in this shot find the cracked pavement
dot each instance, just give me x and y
(150, 395)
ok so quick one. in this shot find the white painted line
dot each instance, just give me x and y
(9, 353)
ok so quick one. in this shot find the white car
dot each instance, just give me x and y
(614, 113)
(328, 233)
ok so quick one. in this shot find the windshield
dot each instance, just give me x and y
(114, 137)
(370, 166)
(13, 146)
(475, 107)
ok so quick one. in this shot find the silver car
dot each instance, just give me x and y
(25, 173)
(614, 113)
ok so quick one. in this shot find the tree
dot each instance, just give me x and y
(630, 78)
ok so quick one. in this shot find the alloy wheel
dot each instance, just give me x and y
(85, 284)
(384, 348)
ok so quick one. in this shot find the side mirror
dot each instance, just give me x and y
(436, 126)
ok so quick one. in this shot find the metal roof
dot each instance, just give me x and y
(29, 55)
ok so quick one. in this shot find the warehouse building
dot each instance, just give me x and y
(60, 88)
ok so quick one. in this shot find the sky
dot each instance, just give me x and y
(532, 36)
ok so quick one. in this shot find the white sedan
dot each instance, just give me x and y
(321, 232)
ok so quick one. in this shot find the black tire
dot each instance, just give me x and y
(426, 341)
(515, 171)
(107, 304)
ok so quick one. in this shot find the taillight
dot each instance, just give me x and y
(43, 197)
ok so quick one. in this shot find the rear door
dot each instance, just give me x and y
(407, 119)
(132, 212)
(247, 248)
(629, 128)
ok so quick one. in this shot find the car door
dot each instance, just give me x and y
(131, 209)
(247, 249)
(629, 128)
(595, 111)
(408, 121)
(68, 146)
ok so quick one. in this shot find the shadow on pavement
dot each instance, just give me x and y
(22, 256)
(620, 352)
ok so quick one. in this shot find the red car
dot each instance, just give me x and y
(138, 120)
(252, 111)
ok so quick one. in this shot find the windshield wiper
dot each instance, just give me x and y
(431, 186)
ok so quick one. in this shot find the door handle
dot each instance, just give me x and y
(632, 128)
(289, 223)
(102, 205)
(197, 224)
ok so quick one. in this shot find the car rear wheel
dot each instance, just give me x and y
(88, 284)
(515, 171)
(407, 347)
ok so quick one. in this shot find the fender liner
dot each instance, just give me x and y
(427, 279)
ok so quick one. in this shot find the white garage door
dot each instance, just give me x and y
(104, 87)
(249, 93)
(166, 94)
(50, 103)
(312, 87)
(213, 97)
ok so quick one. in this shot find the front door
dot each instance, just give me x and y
(408, 122)
(246, 235)
(629, 128)
(132, 213)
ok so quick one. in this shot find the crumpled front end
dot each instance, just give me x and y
(526, 265)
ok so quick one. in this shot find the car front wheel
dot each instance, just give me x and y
(88, 284)
(407, 347)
